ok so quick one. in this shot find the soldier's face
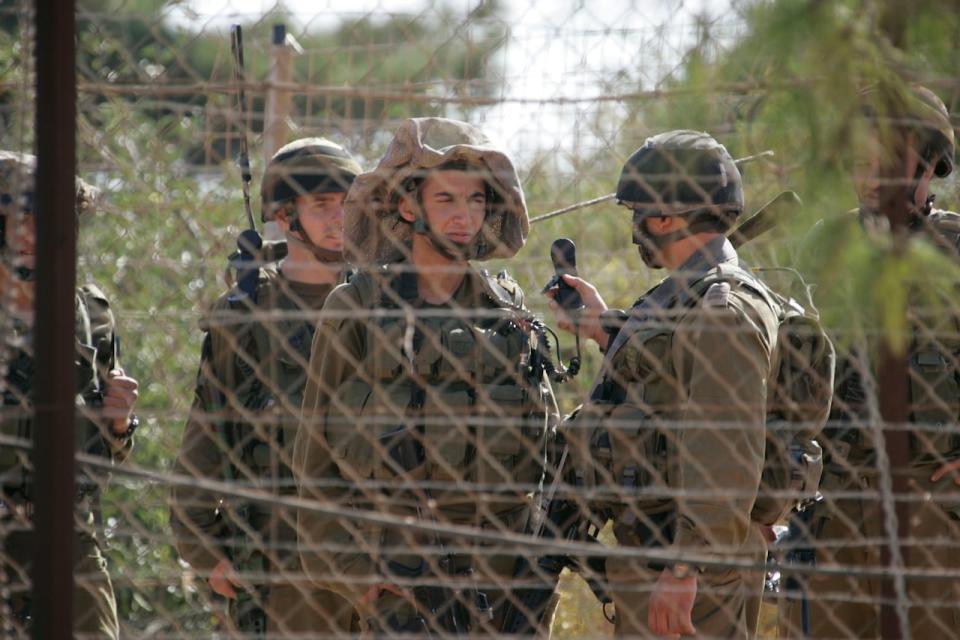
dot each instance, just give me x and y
(868, 172)
(321, 216)
(455, 205)
(22, 239)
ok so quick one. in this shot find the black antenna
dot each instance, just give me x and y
(236, 45)
(246, 260)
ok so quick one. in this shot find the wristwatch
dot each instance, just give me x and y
(132, 425)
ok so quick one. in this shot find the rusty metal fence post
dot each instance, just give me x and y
(54, 336)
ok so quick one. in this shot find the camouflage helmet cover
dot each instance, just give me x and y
(920, 110)
(17, 175)
(309, 165)
(374, 232)
(679, 172)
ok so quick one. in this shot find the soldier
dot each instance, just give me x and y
(425, 401)
(671, 442)
(248, 394)
(914, 133)
(105, 400)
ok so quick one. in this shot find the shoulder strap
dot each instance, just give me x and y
(734, 274)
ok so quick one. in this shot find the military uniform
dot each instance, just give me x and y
(680, 407)
(97, 354)
(245, 412)
(672, 444)
(848, 531)
(436, 413)
(241, 429)
(94, 607)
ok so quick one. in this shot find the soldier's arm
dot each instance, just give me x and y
(194, 516)
(722, 355)
(119, 390)
(337, 348)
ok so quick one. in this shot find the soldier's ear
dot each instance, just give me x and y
(407, 209)
(660, 225)
(282, 218)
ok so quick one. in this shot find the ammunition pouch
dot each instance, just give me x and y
(791, 475)
(648, 530)
(935, 399)
(438, 608)
(462, 411)
(616, 451)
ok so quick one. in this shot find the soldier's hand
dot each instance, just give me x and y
(950, 468)
(119, 398)
(588, 322)
(374, 592)
(223, 579)
(671, 605)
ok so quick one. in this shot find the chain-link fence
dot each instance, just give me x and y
(765, 442)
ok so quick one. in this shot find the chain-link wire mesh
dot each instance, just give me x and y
(394, 436)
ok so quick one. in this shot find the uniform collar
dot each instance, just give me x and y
(717, 251)
(404, 284)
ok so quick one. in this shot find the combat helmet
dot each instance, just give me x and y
(375, 232)
(308, 165)
(680, 173)
(920, 111)
(17, 195)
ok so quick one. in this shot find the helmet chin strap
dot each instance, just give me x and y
(917, 214)
(297, 235)
(651, 246)
(422, 227)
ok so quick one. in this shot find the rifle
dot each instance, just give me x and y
(246, 259)
(446, 610)
(800, 550)
(765, 218)
(566, 521)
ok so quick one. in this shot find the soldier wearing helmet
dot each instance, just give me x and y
(105, 397)
(911, 129)
(908, 141)
(425, 402)
(671, 441)
(248, 393)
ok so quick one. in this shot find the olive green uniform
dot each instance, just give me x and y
(675, 436)
(441, 404)
(849, 531)
(241, 430)
(94, 605)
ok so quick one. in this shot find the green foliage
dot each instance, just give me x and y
(790, 82)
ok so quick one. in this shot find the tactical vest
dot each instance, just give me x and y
(265, 365)
(933, 388)
(622, 452)
(933, 384)
(449, 397)
(95, 355)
